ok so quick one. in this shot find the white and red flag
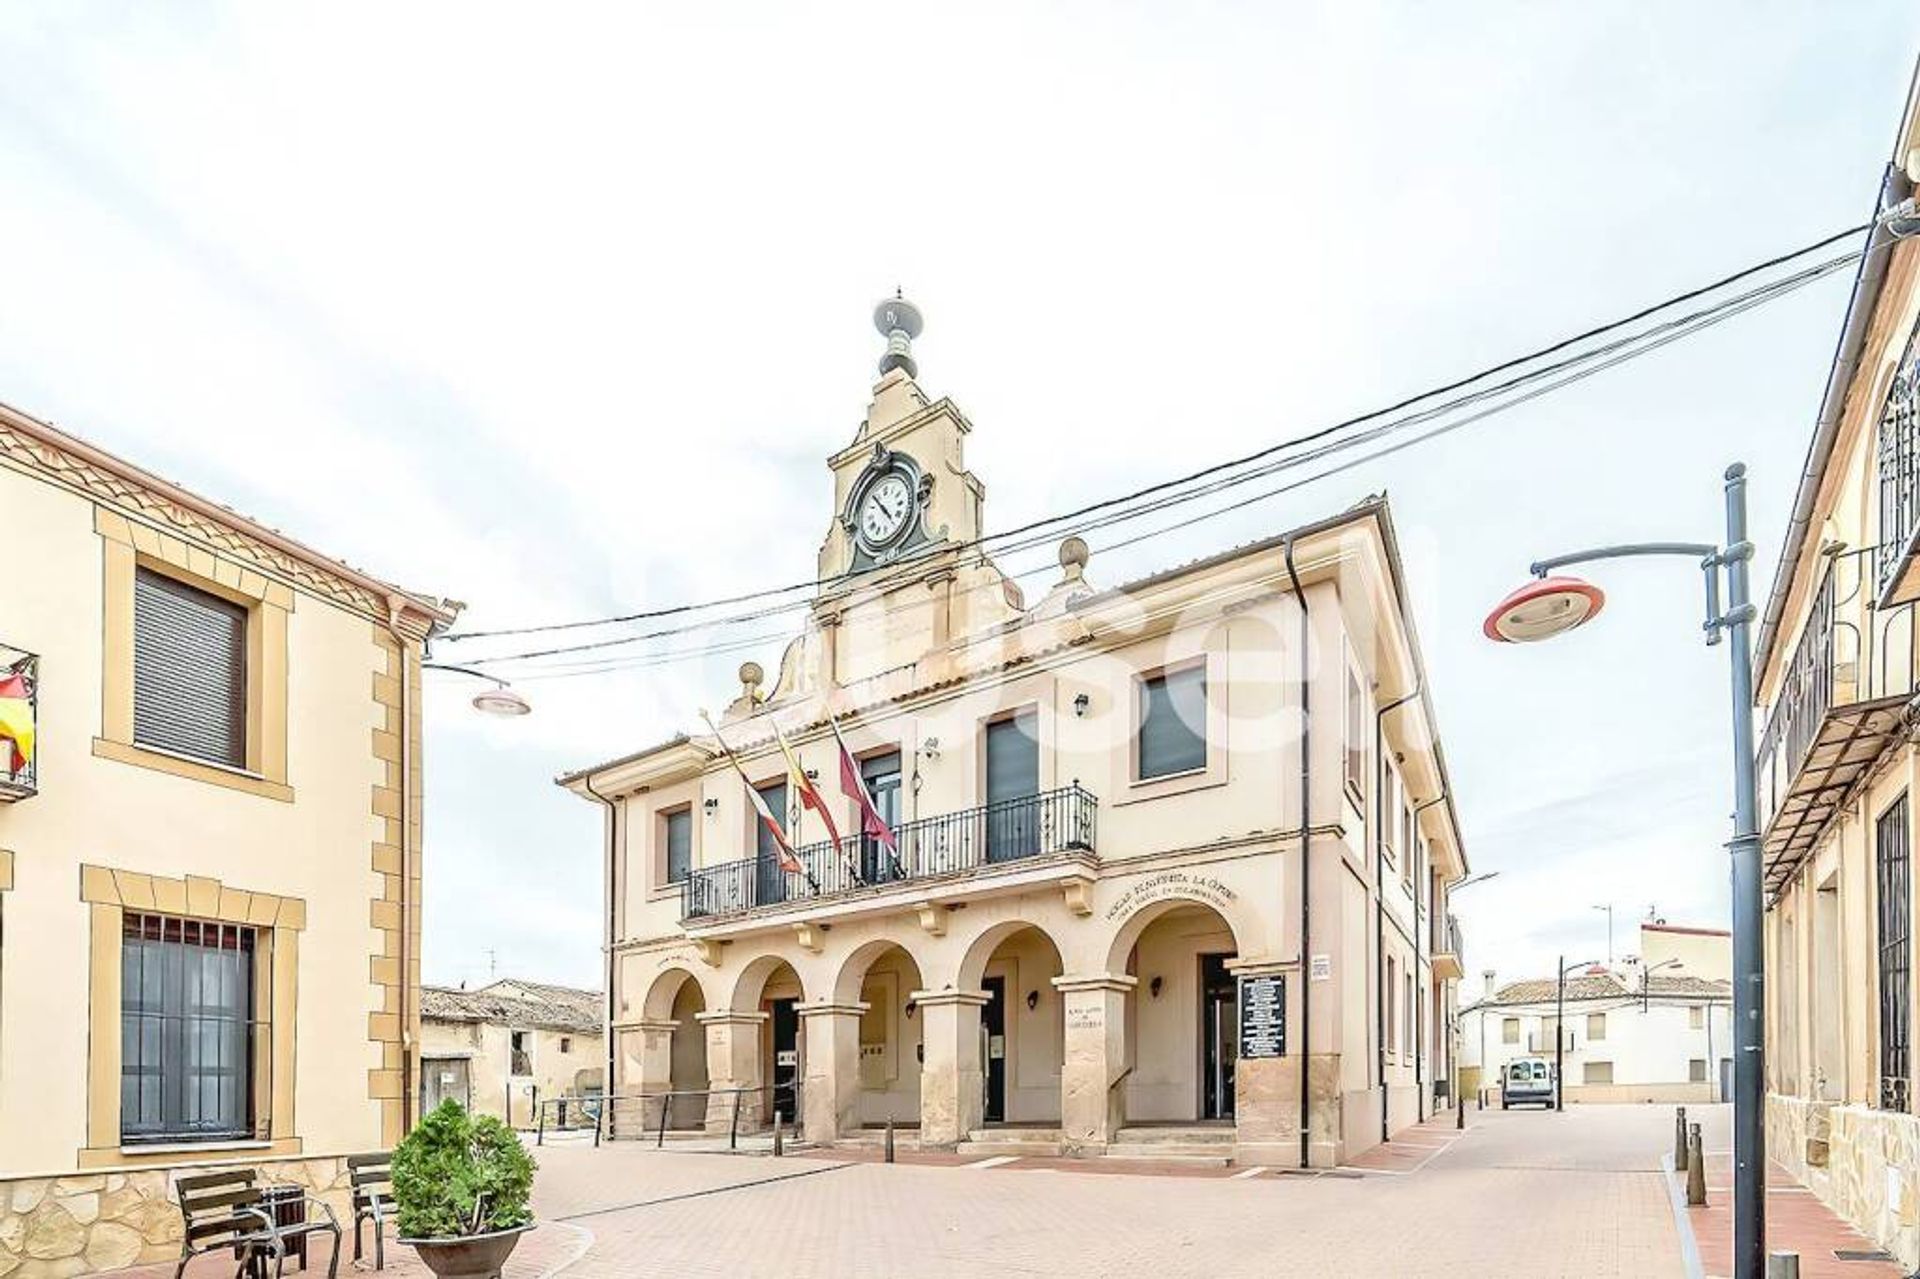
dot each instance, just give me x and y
(854, 787)
(789, 860)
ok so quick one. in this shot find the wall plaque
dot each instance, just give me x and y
(1263, 1017)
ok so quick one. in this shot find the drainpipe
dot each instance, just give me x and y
(396, 607)
(1380, 887)
(1306, 879)
(1422, 986)
(613, 896)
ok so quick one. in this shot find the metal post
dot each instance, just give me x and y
(733, 1126)
(1783, 1265)
(1749, 1095)
(1679, 1138)
(539, 1125)
(1560, 1040)
(779, 1133)
(889, 1138)
(1696, 1169)
(599, 1117)
(666, 1104)
(1459, 1113)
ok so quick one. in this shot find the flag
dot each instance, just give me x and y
(854, 787)
(810, 796)
(16, 720)
(789, 861)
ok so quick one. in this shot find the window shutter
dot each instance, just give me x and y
(1013, 758)
(189, 671)
(1173, 723)
(679, 845)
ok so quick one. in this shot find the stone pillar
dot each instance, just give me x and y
(832, 1061)
(1266, 1091)
(952, 1089)
(1092, 1108)
(733, 1061)
(645, 1062)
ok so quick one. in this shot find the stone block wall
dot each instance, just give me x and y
(1871, 1174)
(80, 1223)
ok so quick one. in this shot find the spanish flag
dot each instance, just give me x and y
(789, 860)
(16, 720)
(810, 796)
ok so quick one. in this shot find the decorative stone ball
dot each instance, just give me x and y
(1074, 554)
(751, 675)
(897, 313)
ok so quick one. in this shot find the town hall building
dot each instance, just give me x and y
(1162, 861)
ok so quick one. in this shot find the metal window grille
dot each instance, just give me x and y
(188, 1030)
(189, 671)
(1893, 847)
(1899, 456)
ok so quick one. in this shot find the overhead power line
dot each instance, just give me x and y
(1177, 491)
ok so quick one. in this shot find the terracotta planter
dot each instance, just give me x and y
(468, 1256)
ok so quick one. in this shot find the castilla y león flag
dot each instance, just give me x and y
(16, 720)
(854, 787)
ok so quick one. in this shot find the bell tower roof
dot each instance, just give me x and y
(899, 322)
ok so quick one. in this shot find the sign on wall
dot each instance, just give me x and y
(1263, 1017)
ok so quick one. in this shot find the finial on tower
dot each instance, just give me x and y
(899, 322)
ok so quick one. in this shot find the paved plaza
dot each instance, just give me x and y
(1519, 1193)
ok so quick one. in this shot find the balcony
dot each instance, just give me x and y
(974, 842)
(1896, 573)
(1841, 702)
(19, 713)
(1449, 959)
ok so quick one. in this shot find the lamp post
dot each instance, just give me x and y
(1646, 983)
(1609, 909)
(1560, 1033)
(1459, 1072)
(1552, 606)
(502, 699)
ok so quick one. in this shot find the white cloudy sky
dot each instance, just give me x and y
(558, 309)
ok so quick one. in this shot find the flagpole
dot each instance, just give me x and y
(779, 834)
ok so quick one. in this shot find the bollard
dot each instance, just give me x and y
(666, 1104)
(1680, 1139)
(889, 1139)
(779, 1133)
(1696, 1169)
(1459, 1114)
(733, 1126)
(540, 1127)
(1783, 1265)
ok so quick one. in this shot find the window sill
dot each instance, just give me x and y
(164, 761)
(188, 1146)
(1193, 779)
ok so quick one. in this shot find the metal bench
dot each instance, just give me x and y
(223, 1210)
(372, 1178)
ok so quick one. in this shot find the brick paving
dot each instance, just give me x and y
(1796, 1220)
(542, 1251)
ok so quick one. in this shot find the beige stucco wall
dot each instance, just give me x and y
(494, 1089)
(294, 846)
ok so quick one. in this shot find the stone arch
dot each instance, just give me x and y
(882, 975)
(973, 961)
(753, 978)
(853, 969)
(665, 990)
(1127, 935)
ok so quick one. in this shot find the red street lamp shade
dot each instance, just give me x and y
(1543, 609)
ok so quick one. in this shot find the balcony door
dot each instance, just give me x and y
(769, 877)
(1013, 787)
(881, 773)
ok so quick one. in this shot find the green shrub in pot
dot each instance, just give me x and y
(457, 1174)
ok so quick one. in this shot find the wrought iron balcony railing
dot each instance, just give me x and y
(19, 683)
(1851, 669)
(1013, 830)
(1899, 467)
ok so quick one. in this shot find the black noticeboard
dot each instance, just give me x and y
(1263, 1017)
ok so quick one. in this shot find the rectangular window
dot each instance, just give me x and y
(1392, 988)
(189, 671)
(679, 833)
(566, 1044)
(1013, 782)
(1892, 845)
(520, 1050)
(187, 1029)
(1409, 840)
(1596, 1026)
(1173, 723)
(1356, 737)
(1696, 1018)
(1509, 1030)
(1697, 1070)
(881, 775)
(1411, 1040)
(1597, 1072)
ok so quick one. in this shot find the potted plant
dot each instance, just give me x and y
(461, 1184)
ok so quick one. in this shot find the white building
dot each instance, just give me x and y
(1659, 1027)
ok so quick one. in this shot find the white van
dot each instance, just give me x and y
(1527, 1081)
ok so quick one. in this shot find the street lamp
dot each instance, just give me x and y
(1459, 1098)
(1560, 1033)
(1609, 909)
(502, 699)
(1646, 981)
(1554, 605)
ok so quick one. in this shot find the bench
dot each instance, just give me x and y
(372, 1178)
(223, 1209)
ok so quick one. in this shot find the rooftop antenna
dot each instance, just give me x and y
(899, 321)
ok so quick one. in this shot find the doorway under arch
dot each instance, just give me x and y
(882, 975)
(1022, 1025)
(1182, 1019)
(770, 985)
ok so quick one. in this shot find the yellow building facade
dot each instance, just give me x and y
(209, 859)
(1168, 863)
(1836, 670)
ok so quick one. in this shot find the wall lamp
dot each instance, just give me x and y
(1033, 1000)
(1080, 703)
(911, 1009)
(1153, 987)
(711, 804)
(930, 749)
(502, 699)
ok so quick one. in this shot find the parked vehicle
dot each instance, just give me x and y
(1527, 1081)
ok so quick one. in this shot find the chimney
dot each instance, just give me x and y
(1488, 977)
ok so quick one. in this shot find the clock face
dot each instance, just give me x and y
(884, 510)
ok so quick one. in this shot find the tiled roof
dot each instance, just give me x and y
(518, 1003)
(1606, 985)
